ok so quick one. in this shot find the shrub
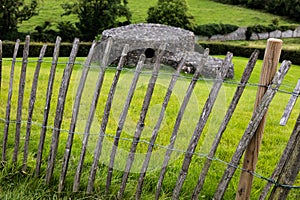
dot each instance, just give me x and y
(171, 12)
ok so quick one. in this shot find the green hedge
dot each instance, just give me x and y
(222, 49)
(34, 49)
(214, 29)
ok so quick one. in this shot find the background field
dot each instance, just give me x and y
(204, 11)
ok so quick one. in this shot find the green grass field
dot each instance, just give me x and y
(204, 11)
(17, 185)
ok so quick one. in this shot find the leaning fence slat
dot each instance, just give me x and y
(20, 98)
(109, 101)
(92, 113)
(208, 106)
(8, 105)
(121, 122)
(60, 110)
(140, 125)
(157, 127)
(0, 64)
(76, 105)
(291, 168)
(290, 105)
(238, 93)
(31, 104)
(178, 122)
(251, 129)
(284, 158)
(47, 106)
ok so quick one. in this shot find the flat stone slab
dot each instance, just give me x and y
(147, 38)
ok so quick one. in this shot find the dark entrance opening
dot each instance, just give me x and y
(149, 53)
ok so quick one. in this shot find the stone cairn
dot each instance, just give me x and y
(146, 38)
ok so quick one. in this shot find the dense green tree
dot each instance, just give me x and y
(171, 12)
(97, 15)
(13, 12)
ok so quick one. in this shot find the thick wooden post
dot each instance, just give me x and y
(270, 63)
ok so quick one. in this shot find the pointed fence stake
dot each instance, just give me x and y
(47, 107)
(121, 123)
(140, 125)
(238, 93)
(20, 98)
(60, 110)
(93, 106)
(8, 105)
(76, 106)
(31, 105)
(178, 122)
(201, 123)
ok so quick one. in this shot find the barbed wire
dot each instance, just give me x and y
(226, 81)
(201, 155)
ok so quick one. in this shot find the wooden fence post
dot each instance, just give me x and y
(270, 63)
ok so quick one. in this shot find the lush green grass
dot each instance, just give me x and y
(204, 11)
(17, 185)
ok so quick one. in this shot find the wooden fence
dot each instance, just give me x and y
(269, 85)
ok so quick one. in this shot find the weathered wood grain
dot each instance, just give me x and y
(121, 123)
(20, 98)
(31, 104)
(8, 104)
(90, 118)
(47, 106)
(75, 111)
(60, 110)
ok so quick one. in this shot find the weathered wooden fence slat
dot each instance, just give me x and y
(31, 104)
(251, 129)
(290, 105)
(234, 102)
(99, 83)
(121, 123)
(8, 105)
(157, 127)
(60, 110)
(75, 112)
(178, 122)
(284, 158)
(47, 106)
(0, 65)
(269, 67)
(208, 106)
(140, 125)
(291, 168)
(20, 98)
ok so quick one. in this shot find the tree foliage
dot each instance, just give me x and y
(97, 15)
(13, 12)
(171, 12)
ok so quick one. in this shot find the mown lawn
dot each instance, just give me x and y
(17, 185)
(204, 11)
